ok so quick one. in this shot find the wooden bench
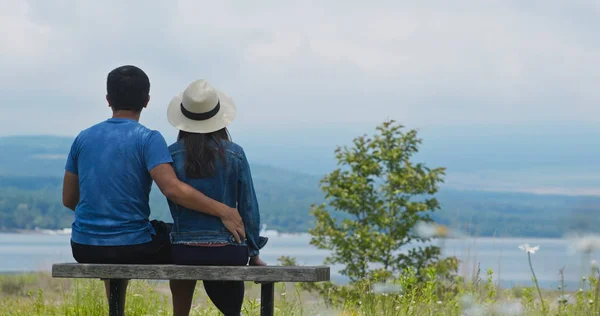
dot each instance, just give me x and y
(267, 276)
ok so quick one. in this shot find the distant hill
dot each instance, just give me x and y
(31, 170)
(33, 155)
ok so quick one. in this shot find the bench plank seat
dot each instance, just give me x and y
(179, 272)
(267, 275)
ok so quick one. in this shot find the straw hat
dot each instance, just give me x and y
(201, 109)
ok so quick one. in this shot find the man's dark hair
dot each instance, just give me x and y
(128, 88)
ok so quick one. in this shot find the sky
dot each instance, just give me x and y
(294, 66)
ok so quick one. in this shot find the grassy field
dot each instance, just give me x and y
(39, 294)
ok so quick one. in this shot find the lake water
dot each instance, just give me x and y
(37, 252)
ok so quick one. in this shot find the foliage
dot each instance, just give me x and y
(384, 195)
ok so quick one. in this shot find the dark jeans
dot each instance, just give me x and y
(227, 296)
(157, 251)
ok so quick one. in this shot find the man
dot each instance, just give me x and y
(107, 182)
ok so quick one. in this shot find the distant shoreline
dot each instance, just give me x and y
(39, 231)
(62, 232)
(67, 231)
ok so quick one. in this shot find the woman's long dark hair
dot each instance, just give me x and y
(203, 150)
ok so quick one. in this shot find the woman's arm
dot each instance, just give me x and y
(248, 208)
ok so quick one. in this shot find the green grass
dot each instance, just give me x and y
(39, 294)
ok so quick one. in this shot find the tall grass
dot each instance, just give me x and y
(39, 294)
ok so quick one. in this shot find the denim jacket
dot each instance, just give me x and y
(232, 185)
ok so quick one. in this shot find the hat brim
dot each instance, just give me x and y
(222, 119)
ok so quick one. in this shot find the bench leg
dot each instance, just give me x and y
(267, 299)
(116, 297)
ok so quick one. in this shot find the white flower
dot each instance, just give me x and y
(529, 249)
(594, 264)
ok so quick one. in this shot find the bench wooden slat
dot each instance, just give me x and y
(179, 272)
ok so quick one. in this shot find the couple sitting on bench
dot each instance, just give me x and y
(204, 175)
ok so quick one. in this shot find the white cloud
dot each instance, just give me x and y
(310, 62)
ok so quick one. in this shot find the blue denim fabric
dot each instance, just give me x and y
(231, 185)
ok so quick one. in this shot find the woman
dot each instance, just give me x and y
(205, 158)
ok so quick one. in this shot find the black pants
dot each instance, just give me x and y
(227, 296)
(157, 251)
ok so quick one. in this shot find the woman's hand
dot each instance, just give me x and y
(256, 261)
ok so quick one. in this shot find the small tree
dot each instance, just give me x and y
(382, 195)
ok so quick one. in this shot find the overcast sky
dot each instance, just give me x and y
(305, 64)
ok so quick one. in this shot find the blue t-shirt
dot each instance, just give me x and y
(113, 160)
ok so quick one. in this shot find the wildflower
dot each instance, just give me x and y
(439, 302)
(529, 249)
(594, 264)
(283, 294)
(137, 295)
(591, 301)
